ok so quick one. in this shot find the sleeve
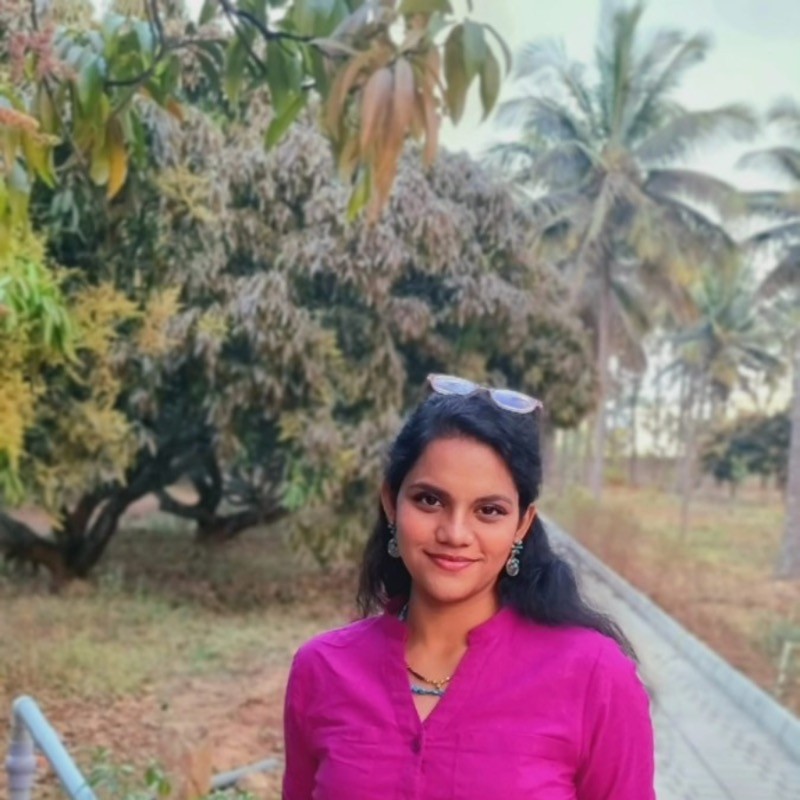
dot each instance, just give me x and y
(298, 776)
(617, 761)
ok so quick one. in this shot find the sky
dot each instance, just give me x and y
(755, 56)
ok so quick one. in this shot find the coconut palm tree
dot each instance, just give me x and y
(728, 345)
(780, 239)
(599, 152)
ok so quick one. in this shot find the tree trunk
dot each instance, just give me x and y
(788, 564)
(680, 431)
(633, 464)
(79, 544)
(698, 386)
(603, 358)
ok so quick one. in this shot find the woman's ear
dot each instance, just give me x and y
(526, 521)
(388, 502)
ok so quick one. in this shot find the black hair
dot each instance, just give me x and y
(546, 590)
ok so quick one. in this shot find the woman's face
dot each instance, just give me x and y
(457, 515)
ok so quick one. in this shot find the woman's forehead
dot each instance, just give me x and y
(462, 465)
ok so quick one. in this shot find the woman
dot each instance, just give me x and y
(486, 675)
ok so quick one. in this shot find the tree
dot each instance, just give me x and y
(756, 444)
(77, 96)
(599, 155)
(279, 341)
(780, 239)
(728, 345)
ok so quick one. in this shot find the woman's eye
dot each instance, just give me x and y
(492, 511)
(426, 499)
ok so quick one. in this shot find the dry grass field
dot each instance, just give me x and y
(717, 580)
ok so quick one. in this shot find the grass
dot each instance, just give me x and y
(159, 608)
(717, 580)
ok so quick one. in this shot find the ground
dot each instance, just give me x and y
(179, 654)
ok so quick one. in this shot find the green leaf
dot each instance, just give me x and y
(455, 74)
(503, 45)
(360, 195)
(490, 83)
(475, 48)
(144, 34)
(283, 121)
(170, 75)
(209, 10)
(235, 64)
(40, 159)
(90, 80)
(111, 24)
(284, 73)
(317, 17)
(425, 7)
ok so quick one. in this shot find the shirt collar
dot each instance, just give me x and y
(484, 633)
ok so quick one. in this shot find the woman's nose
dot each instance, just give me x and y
(454, 530)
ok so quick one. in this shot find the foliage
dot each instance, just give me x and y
(598, 153)
(755, 444)
(126, 782)
(275, 342)
(728, 339)
(84, 81)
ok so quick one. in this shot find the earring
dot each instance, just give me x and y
(391, 547)
(512, 565)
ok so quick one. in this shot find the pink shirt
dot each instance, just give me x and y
(532, 712)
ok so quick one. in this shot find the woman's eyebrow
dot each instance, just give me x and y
(429, 487)
(496, 498)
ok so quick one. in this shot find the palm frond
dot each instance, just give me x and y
(771, 205)
(561, 167)
(783, 235)
(541, 118)
(784, 276)
(698, 186)
(549, 58)
(786, 114)
(660, 72)
(688, 130)
(784, 161)
(696, 230)
(615, 63)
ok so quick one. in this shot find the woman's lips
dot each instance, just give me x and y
(450, 563)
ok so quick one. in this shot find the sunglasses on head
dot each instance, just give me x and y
(508, 400)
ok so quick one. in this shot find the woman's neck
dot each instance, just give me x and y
(444, 627)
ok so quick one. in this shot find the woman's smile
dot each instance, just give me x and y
(451, 563)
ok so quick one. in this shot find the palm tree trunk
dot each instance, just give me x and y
(696, 395)
(788, 564)
(680, 430)
(603, 357)
(633, 464)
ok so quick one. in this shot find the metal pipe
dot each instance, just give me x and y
(29, 725)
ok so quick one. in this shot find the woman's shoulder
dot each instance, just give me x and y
(351, 639)
(588, 647)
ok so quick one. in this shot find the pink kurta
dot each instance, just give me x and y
(532, 713)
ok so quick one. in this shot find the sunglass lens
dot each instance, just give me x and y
(450, 384)
(514, 401)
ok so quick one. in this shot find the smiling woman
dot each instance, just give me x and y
(485, 675)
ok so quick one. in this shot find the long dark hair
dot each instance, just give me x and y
(545, 590)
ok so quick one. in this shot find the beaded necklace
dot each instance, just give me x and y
(439, 687)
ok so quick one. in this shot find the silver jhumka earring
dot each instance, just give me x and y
(512, 565)
(392, 548)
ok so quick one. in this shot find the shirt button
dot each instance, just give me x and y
(416, 745)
